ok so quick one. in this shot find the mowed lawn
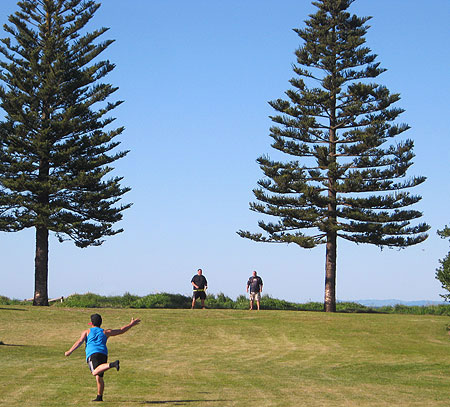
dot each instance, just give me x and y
(212, 358)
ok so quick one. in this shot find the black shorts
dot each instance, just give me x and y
(95, 360)
(199, 294)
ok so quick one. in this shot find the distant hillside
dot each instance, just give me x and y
(384, 303)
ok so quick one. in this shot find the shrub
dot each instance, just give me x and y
(267, 302)
(241, 302)
(353, 307)
(162, 300)
(6, 301)
(128, 300)
(91, 300)
(422, 310)
(311, 306)
(219, 302)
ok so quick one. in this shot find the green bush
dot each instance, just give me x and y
(241, 302)
(91, 300)
(311, 306)
(267, 302)
(424, 310)
(6, 301)
(219, 302)
(129, 299)
(162, 300)
(353, 307)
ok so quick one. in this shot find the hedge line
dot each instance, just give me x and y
(221, 301)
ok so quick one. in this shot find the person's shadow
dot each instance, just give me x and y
(181, 402)
(9, 344)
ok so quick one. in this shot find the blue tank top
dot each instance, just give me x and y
(96, 342)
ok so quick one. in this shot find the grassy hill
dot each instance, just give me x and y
(210, 358)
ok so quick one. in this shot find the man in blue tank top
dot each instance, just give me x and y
(96, 350)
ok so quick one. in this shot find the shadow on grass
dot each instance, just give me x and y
(182, 402)
(13, 309)
(9, 344)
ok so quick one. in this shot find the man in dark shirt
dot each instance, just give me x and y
(199, 285)
(256, 285)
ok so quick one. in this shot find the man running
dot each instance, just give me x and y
(96, 350)
(256, 285)
(199, 285)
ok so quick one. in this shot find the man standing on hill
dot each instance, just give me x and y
(199, 285)
(96, 350)
(256, 285)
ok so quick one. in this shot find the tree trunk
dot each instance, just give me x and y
(330, 273)
(41, 267)
(331, 252)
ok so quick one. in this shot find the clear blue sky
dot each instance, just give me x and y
(196, 77)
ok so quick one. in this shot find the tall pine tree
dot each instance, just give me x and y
(347, 178)
(55, 150)
(443, 272)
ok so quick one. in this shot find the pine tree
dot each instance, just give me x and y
(443, 272)
(55, 150)
(346, 180)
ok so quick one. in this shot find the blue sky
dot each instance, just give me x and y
(196, 77)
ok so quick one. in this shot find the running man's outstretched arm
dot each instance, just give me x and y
(115, 332)
(78, 343)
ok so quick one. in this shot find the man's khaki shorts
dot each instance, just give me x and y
(255, 296)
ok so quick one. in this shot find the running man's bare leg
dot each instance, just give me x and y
(100, 385)
(104, 367)
(100, 369)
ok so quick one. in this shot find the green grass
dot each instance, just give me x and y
(209, 358)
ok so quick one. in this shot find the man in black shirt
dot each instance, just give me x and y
(256, 285)
(200, 285)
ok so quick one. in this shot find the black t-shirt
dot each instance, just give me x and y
(199, 281)
(255, 284)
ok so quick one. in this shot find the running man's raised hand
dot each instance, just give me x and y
(134, 321)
